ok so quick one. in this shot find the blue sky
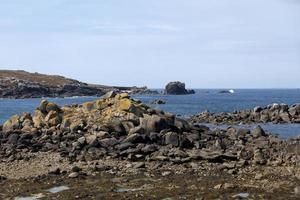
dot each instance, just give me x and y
(205, 43)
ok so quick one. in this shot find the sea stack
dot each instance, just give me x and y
(177, 88)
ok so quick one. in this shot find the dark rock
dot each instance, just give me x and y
(158, 101)
(134, 138)
(154, 123)
(76, 169)
(125, 145)
(108, 142)
(177, 88)
(13, 139)
(56, 171)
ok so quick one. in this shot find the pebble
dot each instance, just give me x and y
(258, 176)
(73, 175)
(217, 187)
(166, 173)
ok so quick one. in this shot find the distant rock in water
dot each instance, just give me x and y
(158, 101)
(177, 88)
(227, 91)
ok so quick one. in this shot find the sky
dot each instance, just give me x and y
(204, 43)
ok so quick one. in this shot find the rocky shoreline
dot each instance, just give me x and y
(22, 84)
(121, 136)
(274, 113)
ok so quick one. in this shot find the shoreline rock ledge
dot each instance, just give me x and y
(177, 88)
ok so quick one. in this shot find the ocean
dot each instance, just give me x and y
(185, 105)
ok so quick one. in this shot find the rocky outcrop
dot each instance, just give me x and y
(120, 127)
(177, 88)
(21, 84)
(158, 101)
(274, 113)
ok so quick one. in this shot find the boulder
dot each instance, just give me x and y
(172, 138)
(258, 132)
(110, 94)
(177, 88)
(12, 124)
(153, 123)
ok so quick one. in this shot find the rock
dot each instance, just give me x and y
(228, 186)
(172, 138)
(73, 175)
(12, 124)
(166, 173)
(297, 191)
(81, 140)
(43, 105)
(154, 123)
(88, 106)
(140, 165)
(258, 132)
(55, 171)
(134, 138)
(52, 107)
(258, 176)
(108, 142)
(13, 139)
(110, 94)
(177, 88)
(92, 140)
(76, 169)
(285, 116)
(158, 101)
(258, 157)
(125, 145)
(217, 187)
(257, 109)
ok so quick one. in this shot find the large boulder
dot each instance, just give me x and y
(12, 124)
(177, 88)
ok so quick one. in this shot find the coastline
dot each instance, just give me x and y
(155, 144)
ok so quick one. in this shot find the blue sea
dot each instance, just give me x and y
(185, 105)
